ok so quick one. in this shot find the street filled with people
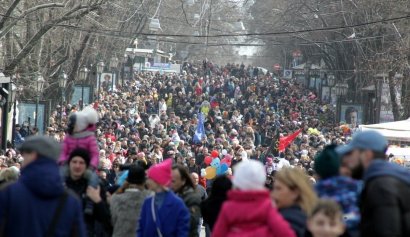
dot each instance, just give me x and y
(216, 151)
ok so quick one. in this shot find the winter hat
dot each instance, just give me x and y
(136, 175)
(88, 116)
(83, 153)
(43, 145)
(249, 175)
(327, 163)
(161, 173)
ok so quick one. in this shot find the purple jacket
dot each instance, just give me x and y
(85, 140)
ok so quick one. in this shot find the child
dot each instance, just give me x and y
(81, 134)
(326, 219)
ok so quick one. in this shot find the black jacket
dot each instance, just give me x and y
(99, 223)
(384, 203)
(296, 219)
(192, 201)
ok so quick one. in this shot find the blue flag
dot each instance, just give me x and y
(200, 129)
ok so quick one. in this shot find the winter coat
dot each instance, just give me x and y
(125, 211)
(384, 202)
(172, 218)
(296, 218)
(192, 201)
(345, 191)
(32, 200)
(85, 140)
(250, 213)
(99, 222)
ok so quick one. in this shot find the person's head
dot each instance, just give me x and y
(292, 187)
(136, 175)
(351, 115)
(39, 147)
(364, 148)
(102, 174)
(327, 163)
(192, 161)
(195, 178)
(159, 176)
(326, 219)
(78, 162)
(249, 175)
(181, 179)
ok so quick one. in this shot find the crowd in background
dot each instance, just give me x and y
(154, 119)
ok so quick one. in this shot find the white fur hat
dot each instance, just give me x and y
(84, 118)
(249, 175)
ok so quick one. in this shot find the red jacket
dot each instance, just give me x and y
(250, 214)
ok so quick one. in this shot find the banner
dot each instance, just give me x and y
(285, 141)
(200, 130)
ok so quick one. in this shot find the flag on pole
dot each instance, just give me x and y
(200, 130)
(285, 141)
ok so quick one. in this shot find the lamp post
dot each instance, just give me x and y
(15, 91)
(341, 91)
(82, 77)
(100, 69)
(331, 83)
(62, 83)
(39, 88)
(124, 64)
(113, 66)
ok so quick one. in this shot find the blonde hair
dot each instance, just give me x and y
(296, 179)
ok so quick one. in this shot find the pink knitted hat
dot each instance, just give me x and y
(161, 173)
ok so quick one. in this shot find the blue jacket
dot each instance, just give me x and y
(32, 202)
(172, 218)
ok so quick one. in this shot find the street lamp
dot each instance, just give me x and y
(15, 91)
(100, 69)
(39, 88)
(125, 60)
(82, 77)
(331, 83)
(113, 66)
(62, 83)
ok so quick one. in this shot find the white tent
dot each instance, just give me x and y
(393, 131)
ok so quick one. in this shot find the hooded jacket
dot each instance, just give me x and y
(384, 203)
(32, 202)
(250, 213)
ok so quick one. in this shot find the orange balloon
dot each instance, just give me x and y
(210, 172)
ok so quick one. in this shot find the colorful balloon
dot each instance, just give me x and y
(208, 160)
(223, 168)
(214, 153)
(210, 172)
(216, 163)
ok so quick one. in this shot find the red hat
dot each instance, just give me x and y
(161, 173)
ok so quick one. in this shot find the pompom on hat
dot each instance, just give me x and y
(161, 173)
(249, 175)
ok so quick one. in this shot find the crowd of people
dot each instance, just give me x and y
(178, 155)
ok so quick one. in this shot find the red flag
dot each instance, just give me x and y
(285, 141)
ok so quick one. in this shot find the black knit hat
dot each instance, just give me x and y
(327, 163)
(83, 153)
(136, 175)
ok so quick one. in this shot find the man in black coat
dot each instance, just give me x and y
(98, 223)
(384, 205)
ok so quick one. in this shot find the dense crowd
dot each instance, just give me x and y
(176, 155)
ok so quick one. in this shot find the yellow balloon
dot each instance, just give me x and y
(210, 172)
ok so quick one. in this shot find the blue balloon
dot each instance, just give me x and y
(224, 167)
(216, 163)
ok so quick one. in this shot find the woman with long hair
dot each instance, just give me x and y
(294, 196)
